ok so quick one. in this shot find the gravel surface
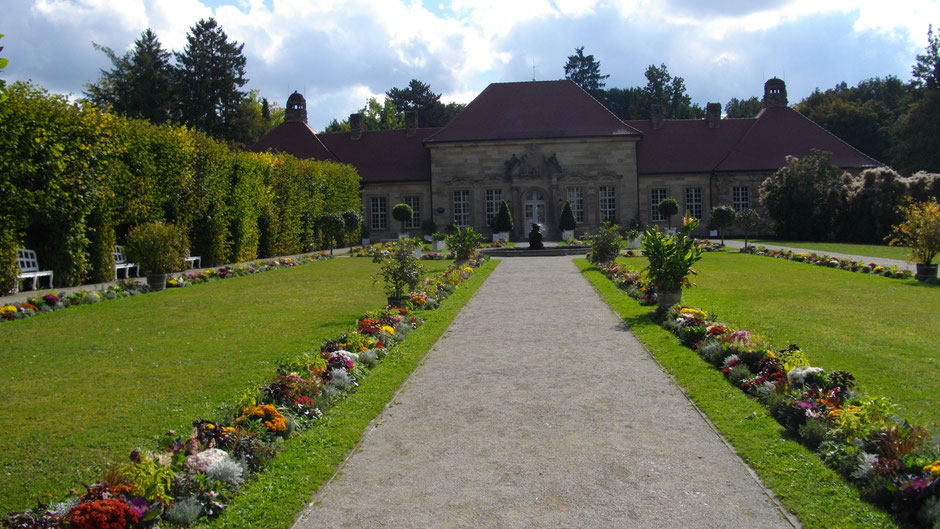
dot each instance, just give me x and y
(537, 408)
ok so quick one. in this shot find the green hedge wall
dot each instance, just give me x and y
(74, 180)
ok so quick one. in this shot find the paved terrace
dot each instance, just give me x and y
(537, 408)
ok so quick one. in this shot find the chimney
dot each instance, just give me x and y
(775, 93)
(411, 122)
(355, 126)
(656, 116)
(713, 115)
(296, 108)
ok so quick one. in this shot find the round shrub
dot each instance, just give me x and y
(157, 247)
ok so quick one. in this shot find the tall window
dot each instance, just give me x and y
(608, 202)
(576, 197)
(415, 221)
(462, 208)
(741, 199)
(379, 213)
(493, 198)
(657, 195)
(693, 201)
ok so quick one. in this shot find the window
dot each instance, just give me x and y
(740, 198)
(379, 213)
(657, 195)
(493, 199)
(415, 203)
(693, 201)
(462, 208)
(576, 197)
(608, 203)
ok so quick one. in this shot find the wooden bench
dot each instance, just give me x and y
(120, 263)
(29, 267)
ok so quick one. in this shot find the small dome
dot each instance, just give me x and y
(296, 108)
(775, 93)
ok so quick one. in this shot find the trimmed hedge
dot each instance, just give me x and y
(80, 178)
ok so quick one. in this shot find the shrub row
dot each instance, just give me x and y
(890, 461)
(194, 475)
(76, 179)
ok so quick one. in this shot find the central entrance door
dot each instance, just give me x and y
(534, 203)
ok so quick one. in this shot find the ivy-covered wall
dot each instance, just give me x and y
(74, 180)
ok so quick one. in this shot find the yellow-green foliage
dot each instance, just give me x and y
(82, 178)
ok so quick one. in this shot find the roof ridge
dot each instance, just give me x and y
(740, 139)
(635, 131)
(847, 144)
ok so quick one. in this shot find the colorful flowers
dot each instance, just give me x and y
(933, 468)
(267, 415)
(110, 513)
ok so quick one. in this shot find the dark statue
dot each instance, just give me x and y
(535, 237)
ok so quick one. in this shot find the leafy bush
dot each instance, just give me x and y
(804, 197)
(158, 248)
(671, 257)
(429, 227)
(399, 269)
(722, 217)
(463, 243)
(920, 230)
(606, 245)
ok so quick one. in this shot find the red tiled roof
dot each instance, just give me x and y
(782, 131)
(686, 145)
(543, 109)
(296, 138)
(384, 155)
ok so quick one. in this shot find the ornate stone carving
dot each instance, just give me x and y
(532, 163)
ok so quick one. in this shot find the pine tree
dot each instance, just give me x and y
(585, 71)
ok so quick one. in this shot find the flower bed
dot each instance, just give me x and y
(195, 475)
(128, 287)
(861, 437)
(831, 262)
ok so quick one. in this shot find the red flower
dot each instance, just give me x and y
(109, 513)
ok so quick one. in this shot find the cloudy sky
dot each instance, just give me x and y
(338, 53)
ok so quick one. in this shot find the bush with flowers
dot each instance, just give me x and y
(196, 475)
(862, 438)
(830, 262)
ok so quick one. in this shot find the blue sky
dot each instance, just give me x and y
(338, 53)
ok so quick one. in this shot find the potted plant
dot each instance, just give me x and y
(669, 207)
(463, 243)
(722, 217)
(364, 233)
(402, 213)
(567, 223)
(920, 232)
(747, 220)
(605, 247)
(400, 270)
(429, 227)
(158, 249)
(633, 233)
(670, 263)
(438, 243)
(502, 222)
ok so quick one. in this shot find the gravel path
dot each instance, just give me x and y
(538, 409)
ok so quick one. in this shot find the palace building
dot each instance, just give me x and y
(538, 144)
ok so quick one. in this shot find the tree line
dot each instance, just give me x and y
(416, 97)
(199, 86)
(76, 180)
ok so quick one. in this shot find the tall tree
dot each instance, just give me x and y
(628, 103)
(743, 108)
(670, 92)
(210, 73)
(139, 83)
(249, 123)
(927, 68)
(418, 96)
(805, 197)
(585, 71)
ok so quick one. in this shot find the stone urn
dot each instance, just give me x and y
(156, 282)
(665, 299)
(926, 272)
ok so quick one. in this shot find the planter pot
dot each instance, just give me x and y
(438, 246)
(713, 233)
(365, 241)
(156, 282)
(417, 252)
(428, 238)
(926, 272)
(666, 299)
(567, 234)
(402, 236)
(634, 243)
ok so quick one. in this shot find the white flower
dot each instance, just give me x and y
(352, 357)
(206, 458)
(797, 375)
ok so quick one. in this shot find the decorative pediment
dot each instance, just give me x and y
(533, 163)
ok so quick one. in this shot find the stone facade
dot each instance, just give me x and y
(535, 177)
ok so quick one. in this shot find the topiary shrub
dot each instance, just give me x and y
(669, 207)
(567, 221)
(429, 227)
(157, 247)
(402, 213)
(722, 217)
(502, 223)
(332, 225)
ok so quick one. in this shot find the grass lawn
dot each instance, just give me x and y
(84, 386)
(884, 331)
(798, 478)
(869, 250)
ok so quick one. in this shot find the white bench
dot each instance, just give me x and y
(29, 267)
(193, 262)
(120, 263)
